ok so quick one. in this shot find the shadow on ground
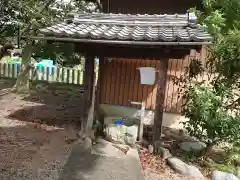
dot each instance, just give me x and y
(29, 147)
(51, 106)
(79, 164)
(5, 87)
(30, 152)
(84, 165)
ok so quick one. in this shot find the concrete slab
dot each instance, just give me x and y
(84, 165)
(103, 147)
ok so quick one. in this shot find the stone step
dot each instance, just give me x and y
(83, 165)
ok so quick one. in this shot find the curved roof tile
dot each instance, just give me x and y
(154, 28)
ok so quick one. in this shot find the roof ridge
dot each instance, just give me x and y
(135, 19)
(120, 14)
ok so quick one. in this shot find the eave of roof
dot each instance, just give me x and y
(158, 43)
(129, 29)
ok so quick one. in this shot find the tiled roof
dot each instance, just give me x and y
(156, 28)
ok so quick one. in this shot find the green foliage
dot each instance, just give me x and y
(230, 163)
(224, 168)
(208, 119)
(62, 53)
(15, 14)
(233, 156)
(213, 107)
(18, 15)
(189, 156)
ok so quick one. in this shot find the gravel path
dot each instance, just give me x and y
(36, 134)
(30, 153)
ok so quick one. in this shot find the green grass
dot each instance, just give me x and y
(231, 162)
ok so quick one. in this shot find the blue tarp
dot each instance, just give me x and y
(45, 63)
(15, 62)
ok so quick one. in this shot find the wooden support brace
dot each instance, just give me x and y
(159, 109)
(89, 95)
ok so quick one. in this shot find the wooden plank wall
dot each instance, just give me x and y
(120, 82)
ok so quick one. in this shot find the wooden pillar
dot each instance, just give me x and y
(100, 75)
(159, 109)
(89, 94)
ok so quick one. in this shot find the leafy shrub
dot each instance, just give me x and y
(209, 121)
(189, 156)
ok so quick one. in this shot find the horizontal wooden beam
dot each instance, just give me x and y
(120, 42)
(133, 53)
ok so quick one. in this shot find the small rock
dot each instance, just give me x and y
(41, 87)
(162, 136)
(93, 135)
(166, 145)
(183, 168)
(177, 165)
(150, 149)
(158, 146)
(145, 143)
(165, 153)
(192, 146)
(87, 143)
(219, 175)
(193, 171)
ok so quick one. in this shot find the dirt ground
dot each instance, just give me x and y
(155, 168)
(37, 132)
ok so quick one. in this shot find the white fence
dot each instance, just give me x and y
(54, 74)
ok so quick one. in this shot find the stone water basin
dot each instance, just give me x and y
(121, 129)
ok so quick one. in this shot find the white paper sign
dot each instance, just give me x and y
(147, 75)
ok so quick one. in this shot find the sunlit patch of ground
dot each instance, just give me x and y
(35, 135)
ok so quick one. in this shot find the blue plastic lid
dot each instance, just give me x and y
(118, 122)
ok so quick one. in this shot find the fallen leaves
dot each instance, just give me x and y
(152, 162)
(124, 150)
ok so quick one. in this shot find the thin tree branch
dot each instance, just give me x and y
(237, 101)
(40, 11)
(99, 5)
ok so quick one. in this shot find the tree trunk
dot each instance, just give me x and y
(22, 83)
